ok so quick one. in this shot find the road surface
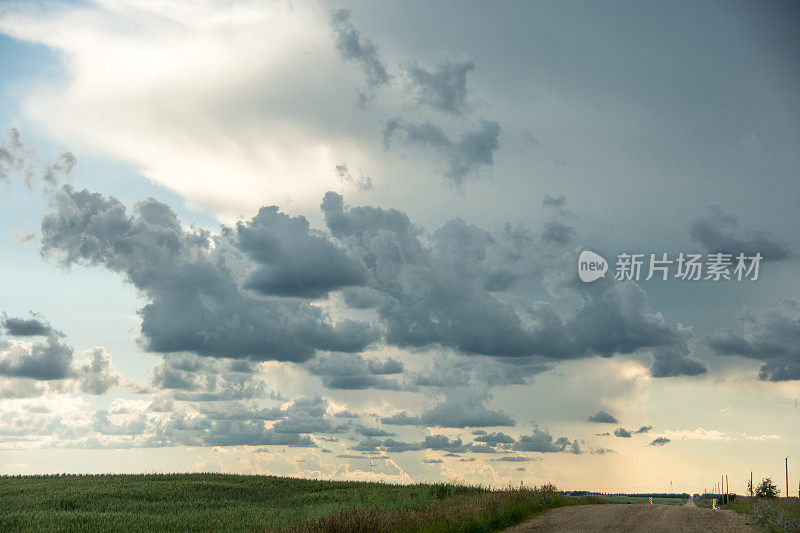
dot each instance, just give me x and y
(633, 518)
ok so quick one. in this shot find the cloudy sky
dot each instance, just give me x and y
(341, 240)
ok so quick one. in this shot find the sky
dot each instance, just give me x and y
(341, 240)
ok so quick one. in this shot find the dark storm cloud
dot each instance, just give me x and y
(36, 325)
(717, 231)
(451, 370)
(435, 293)
(603, 417)
(354, 372)
(444, 88)
(772, 337)
(541, 441)
(675, 359)
(659, 441)
(293, 260)
(363, 52)
(195, 303)
(473, 149)
(622, 432)
(617, 318)
(48, 360)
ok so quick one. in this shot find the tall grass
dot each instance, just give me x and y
(483, 511)
(776, 515)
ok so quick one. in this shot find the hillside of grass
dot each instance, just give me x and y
(221, 502)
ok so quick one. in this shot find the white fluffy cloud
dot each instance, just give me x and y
(232, 106)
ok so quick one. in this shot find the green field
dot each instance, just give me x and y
(220, 502)
(621, 498)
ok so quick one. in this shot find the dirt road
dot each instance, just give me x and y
(636, 517)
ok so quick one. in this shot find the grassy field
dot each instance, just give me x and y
(219, 502)
(621, 498)
(776, 515)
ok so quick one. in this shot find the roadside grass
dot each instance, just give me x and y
(223, 502)
(776, 515)
(468, 513)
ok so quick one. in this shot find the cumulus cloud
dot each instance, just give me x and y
(435, 293)
(186, 376)
(493, 439)
(659, 441)
(718, 231)
(401, 419)
(444, 88)
(675, 359)
(293, 260)
(472, 150)
(48, 360)
(96, 374)
(644, 429)
(465, 408)
(51, 360)
(195, 303)
(543, 442)
(34, 326)
(772, 337)
(622, 432)
(603, 417)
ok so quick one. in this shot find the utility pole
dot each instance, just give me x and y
(752, 488)
(722, 487)
(787, 477)
(727, 488)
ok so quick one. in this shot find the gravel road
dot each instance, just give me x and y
(635, 517)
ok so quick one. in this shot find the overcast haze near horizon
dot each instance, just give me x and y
(340, 240)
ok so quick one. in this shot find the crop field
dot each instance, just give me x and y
(220, 502)
(622, 498)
